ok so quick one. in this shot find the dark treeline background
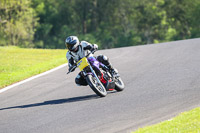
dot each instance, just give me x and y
(108, 23)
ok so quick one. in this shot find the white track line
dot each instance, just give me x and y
(31, 78)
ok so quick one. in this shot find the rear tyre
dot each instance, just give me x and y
(119, 84)
(97, 87)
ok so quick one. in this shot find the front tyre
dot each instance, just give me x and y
(97, 87)
(119, 84)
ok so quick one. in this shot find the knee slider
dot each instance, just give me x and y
(77, 81)
(80, 81)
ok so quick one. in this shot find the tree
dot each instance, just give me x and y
(109, 23)
(19, 21)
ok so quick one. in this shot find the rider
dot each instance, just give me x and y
(78, 50)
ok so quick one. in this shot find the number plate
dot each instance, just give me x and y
(82, 63)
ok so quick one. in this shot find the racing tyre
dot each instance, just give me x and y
(97, 87)
(119, 84)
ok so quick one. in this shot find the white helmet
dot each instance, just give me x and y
(72, 43)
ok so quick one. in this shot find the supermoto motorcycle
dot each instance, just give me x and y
(98, 76)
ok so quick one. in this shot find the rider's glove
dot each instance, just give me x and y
(95, 46)
(71, 69)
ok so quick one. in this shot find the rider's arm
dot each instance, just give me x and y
(70, 60)
(88, 46)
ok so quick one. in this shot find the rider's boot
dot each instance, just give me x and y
(106, 62)
(111, 69)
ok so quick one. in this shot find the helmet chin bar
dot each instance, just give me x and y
(75, 50)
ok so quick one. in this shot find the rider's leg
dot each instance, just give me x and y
(80, 80)
(104, 59)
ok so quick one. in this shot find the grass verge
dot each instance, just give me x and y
(187, 122)
(17, 64)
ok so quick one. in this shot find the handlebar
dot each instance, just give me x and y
(73, 67)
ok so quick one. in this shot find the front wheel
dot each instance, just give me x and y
(119, 84)
(97, 87)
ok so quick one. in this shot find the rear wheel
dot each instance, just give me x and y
(119, 84)
(97, 87)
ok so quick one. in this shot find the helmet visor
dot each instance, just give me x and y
(69, 46)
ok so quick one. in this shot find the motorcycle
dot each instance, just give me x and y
(98, 76)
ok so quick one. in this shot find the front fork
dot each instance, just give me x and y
(93, 73)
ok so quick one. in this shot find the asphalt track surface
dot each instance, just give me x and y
(162, 80)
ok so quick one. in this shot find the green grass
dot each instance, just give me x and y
(187, 122)
(17, 64)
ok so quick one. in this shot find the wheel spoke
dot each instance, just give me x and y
(98, 85)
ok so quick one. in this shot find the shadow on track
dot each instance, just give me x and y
(58, 101)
